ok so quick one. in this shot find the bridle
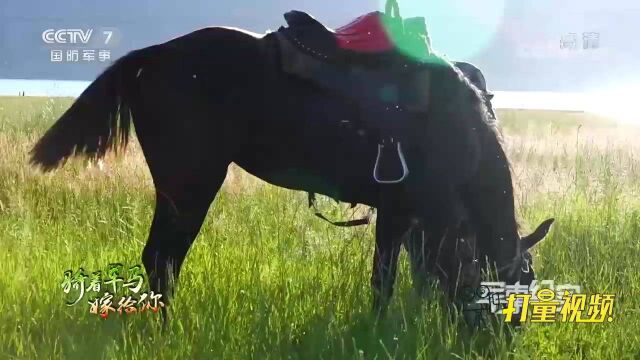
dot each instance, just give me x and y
(523, 260)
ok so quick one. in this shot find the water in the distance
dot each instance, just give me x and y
(616, 104)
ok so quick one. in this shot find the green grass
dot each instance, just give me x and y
(267, 279)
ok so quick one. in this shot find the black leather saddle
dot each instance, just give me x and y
(388, 87)
(314, 38)
(309, 50)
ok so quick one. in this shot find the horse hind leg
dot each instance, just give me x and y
(188, 139)
(179, 214)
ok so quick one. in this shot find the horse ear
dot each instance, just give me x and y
(541, 231)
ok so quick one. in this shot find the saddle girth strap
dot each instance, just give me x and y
(349, 223)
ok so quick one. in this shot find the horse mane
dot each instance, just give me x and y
(476, 98)
(440, 61)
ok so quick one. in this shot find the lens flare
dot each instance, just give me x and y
(458, 29)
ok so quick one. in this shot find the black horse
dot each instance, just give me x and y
(476, 77)
(216, 96)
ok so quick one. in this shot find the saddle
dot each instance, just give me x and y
(378, 63)
(372, 40)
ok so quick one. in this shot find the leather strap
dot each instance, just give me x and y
(349, 223)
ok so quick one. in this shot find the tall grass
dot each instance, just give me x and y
(266, 279)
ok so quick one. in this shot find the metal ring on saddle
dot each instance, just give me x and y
(405, 169)
(392, 9)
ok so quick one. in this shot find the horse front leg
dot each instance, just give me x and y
(389, 230)
(414, 244)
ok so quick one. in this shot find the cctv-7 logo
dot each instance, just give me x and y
(108, 34)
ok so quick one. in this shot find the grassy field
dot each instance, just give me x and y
(267, 279)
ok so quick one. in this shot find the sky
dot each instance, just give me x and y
(516, 43)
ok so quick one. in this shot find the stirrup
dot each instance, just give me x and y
(405, 169)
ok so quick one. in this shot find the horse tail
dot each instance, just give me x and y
(98, 121)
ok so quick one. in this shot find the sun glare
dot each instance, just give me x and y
(618, 104)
